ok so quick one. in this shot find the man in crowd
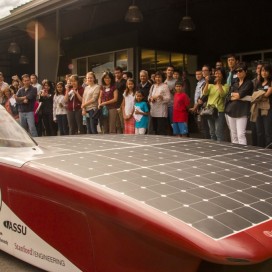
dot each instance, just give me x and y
(144, 84)
(219, 64)
(25, 98)
(198, 102)
(232, 62)
(120, 83)
(170, 81)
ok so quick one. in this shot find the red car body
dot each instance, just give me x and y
(57, 216)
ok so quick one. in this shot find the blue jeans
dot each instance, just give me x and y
(91, 123)
(170, 114)
(264, 129)
(27, 121)
(62, 124)
(216, 125)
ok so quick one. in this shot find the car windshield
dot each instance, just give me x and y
(11, 133)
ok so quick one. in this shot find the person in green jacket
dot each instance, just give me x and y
(216, 96)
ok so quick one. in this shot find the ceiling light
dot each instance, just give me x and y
(134, 14)
(23, 59)
(187, 23)
(14, 48)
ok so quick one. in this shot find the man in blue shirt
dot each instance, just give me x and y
(25, 98)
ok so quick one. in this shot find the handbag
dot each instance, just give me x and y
(105, 111)
(209, 110)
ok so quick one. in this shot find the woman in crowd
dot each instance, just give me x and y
(73, 97)
(128, 107)
(46, 109)
(15, 86)
(60, 109)
(90, 102)
(255, 82)
(107, 103)
(159, 96)
(216, 96)
(9, 103)
(237, 109)
(264, 121)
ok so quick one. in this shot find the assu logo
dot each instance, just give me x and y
(15, 227)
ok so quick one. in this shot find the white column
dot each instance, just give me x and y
(37, 48)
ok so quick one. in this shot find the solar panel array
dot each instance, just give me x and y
(218, 189)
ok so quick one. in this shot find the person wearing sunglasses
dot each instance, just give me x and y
(237, 110)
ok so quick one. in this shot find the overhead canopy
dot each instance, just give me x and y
(222, 26)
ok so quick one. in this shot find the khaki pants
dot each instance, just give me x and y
(119, 121)
(109, 122)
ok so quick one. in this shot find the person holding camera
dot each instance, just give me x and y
(216, 94)
(73, 97)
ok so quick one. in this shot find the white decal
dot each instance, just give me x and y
(17, 239)
(268, 233)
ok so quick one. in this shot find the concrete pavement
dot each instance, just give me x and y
(9, 263)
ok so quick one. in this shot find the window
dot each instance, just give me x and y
(81, 66)
(268, 57)
(177, 61)
(100, 64)
(148, 60)
(152, 60)
(163, 60)
(121, 59)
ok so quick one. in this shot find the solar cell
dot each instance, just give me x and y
(218, 189)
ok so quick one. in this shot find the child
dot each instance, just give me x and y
(60, 109)
(128, 107)
(180, 110)
(141, 112)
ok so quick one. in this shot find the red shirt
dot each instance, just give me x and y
(181, 103)
(74, 103)
(108, 94)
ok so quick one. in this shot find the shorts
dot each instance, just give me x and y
(180, 128)
(140, 131)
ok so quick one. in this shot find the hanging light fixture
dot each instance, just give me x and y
(14, 48)
(134, 14)
(23, 59)
(186, 23)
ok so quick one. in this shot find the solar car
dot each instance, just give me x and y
(134, 203)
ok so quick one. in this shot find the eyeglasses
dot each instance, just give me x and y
(239, 70)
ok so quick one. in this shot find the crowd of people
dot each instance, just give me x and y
(226, 101)
(239, 102)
